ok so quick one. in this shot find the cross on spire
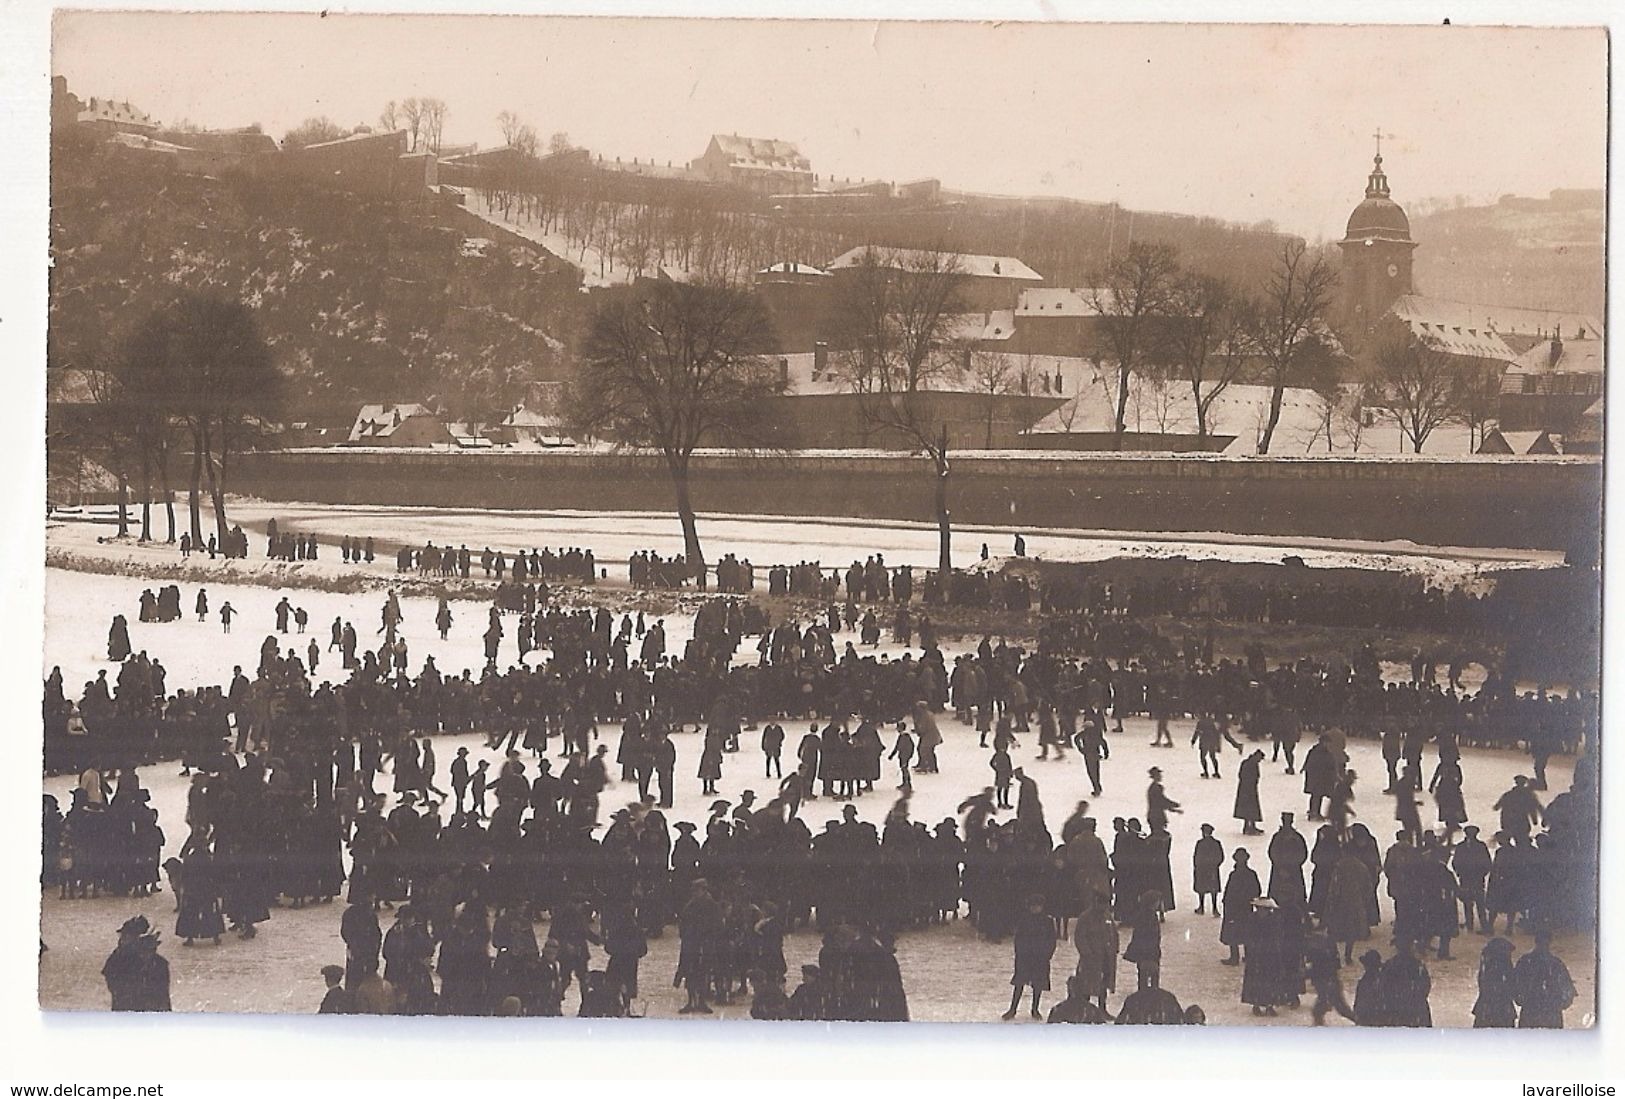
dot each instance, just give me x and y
(1379, 135)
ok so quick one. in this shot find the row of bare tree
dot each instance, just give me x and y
(195, 379)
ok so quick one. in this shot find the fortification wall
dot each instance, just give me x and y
(1516, 503)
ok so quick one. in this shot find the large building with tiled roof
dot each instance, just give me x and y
(763, 164)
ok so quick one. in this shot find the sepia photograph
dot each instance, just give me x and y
(757, 520)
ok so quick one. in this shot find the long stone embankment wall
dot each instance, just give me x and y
(1542, 503)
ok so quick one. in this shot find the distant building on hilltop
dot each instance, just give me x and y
(370, 164)
(765, 165)
(97, 114)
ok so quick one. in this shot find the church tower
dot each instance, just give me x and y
(1376, 254)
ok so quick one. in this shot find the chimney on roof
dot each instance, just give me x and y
(784, 371)
(820, 359)
(995, 267)
(1557, 346)
(397, 417)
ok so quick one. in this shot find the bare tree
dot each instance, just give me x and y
(1132, 298)
(525, 142)
(434, 122)
(673, 366)
(898, 309)
(148, 396)
(225, 383)
(1207, 341)
(312, 131)
(110, 428)
(1326, 377)
(1416, 380)
(994, 375)
(412, 116)
(509, 124)
(389, 118)
(1478, 397)
(1289, 322)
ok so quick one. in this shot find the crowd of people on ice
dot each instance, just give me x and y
(1398, 602)
(573, 565)
(285, 778)
(232, 544)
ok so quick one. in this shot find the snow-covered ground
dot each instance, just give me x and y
(949, 973)
(597, 269)
(835, 543)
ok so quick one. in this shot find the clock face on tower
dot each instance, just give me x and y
(1393, 270)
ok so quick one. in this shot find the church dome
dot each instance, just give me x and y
(1378, 217)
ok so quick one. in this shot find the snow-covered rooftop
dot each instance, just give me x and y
(975, 266)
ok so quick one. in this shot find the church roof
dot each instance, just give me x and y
(1378, 217)
(1503, 320)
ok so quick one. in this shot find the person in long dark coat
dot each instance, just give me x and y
(1159, 876)
(363, 939)
(137, 975)
(1158, 804)
(1369, 1009)
(1270, 977)
(1240, 890)
(1320, 772)
(1145, 941)
(1470, 859)
(200, 916)
(1247, 808)
(1405, 985)
(1496, 1005)
(1542, 987)
(1446, 788)
(700, 930)
(1206, 860)
(118, 640)
(1347, 914)
(1096, 938)
(1436, 889)
(1288, 852)
(1034, 942)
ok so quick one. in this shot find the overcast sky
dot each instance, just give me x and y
(1244, 123)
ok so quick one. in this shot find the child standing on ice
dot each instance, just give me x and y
(226, 614)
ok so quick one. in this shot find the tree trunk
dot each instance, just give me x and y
(193, 493)
(693, 556)
(123, 506)
(169, 495)
(216, 496)
(1201, 416)
(945, 534)
(146, 498)
(1275, 417)
(1122, 407)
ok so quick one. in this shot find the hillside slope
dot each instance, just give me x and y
(1545, 253)
(362, 300)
